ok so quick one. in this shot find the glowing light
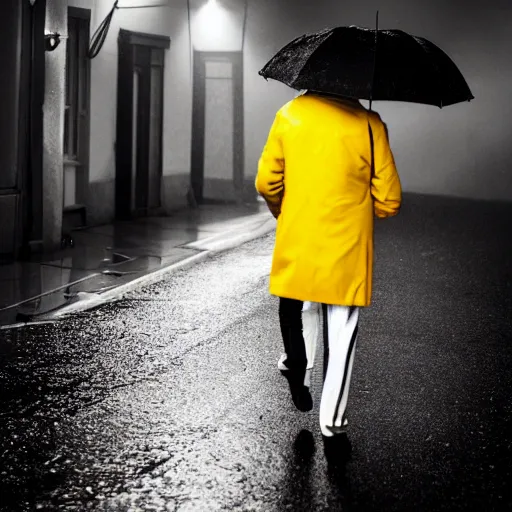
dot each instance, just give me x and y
(216, 26)
(213, 7)
(211, 23)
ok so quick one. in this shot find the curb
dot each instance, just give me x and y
(209, 247)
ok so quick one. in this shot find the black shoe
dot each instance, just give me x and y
(301, 396)
(337, 449)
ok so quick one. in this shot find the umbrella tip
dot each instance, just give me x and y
(263, 74)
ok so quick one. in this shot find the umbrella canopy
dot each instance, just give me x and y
(370, 64)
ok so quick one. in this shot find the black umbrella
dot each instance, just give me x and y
(370, 64)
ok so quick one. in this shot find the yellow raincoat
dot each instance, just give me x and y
(315, 174)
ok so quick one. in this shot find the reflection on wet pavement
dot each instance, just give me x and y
(104, 257)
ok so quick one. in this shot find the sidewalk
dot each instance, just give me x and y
(107, 261)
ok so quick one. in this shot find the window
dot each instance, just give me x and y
(77, 85)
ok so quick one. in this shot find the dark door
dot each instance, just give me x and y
(217, 127)
(21, 100)
(33, 211)
(139, 124)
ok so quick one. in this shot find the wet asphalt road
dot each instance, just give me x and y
(171, 400)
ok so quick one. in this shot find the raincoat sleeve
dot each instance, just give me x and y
(386, 189)
(270, 177)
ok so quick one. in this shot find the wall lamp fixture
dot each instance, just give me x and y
(51, 41)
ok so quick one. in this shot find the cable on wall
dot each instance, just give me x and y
(99, 37)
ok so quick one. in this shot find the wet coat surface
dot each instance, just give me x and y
(315, 169)
(171, 399)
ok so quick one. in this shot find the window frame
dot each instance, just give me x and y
(77, 88)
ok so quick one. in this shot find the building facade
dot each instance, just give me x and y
(136, 110)
(172, 112)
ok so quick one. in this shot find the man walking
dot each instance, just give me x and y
(325, 181)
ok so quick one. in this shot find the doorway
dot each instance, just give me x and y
(76, 118)
(217, 127)
(139, 123)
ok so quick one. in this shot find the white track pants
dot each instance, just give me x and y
(340, 334)
(311, 312)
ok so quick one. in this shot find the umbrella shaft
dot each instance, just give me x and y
(374, 57)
